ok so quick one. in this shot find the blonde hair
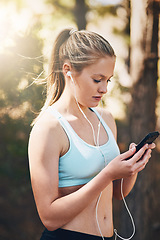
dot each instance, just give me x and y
(82, 48)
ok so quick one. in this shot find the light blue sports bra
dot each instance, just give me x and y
(83, 161)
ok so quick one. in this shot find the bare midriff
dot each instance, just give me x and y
(86, 221)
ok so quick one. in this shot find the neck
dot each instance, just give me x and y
(67, 105)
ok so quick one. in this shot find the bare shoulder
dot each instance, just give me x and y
(45, 125)
(46, 137)
(45, 129)
(108, 118)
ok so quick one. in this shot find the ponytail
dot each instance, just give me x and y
(55, 81)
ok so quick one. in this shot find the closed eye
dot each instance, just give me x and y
(96, 81)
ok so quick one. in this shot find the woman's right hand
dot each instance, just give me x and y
(120, 167)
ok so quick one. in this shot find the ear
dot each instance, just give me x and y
(66, 68)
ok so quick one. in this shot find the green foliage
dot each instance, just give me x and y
(61, 10)
(17, 101)
(105, 10)
(62, 4)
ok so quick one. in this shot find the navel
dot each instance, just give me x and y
(104, 218)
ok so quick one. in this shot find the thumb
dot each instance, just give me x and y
(132, 145)
(127, 155)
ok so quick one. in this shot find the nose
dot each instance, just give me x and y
(103, 87)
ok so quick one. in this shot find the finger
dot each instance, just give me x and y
(140, 165)
(152, 145)
(137, 156)
(149, 151)
(132, 145)
(128, 154)
(146, 156)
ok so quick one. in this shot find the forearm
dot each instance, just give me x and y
(64, 209)
(128, 184)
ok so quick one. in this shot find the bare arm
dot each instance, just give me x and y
(128, 184)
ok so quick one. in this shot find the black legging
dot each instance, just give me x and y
(62, 234)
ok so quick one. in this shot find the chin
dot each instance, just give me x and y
(90, 105)
(94, 105)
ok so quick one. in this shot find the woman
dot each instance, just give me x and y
(75, 164)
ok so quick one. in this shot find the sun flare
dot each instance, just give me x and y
(14, 21)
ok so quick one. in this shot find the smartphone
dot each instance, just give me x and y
(149, 138)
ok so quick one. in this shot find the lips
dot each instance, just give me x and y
(98, 98)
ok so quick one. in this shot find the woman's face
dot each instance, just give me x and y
(91, 84)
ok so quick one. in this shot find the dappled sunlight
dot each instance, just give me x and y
(15, 20)
(116, 107)
(12, 22)
(23, 84)
(2, 94)
(5, 29)
(16, 112)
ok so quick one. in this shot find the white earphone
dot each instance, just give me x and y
(69, 75)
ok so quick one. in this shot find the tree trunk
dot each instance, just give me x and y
(80, 14)
(144, 57)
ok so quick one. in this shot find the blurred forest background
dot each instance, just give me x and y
(27, 32)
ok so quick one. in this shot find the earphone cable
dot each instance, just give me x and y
(133, 224)
(94, 138)
(105, 162)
